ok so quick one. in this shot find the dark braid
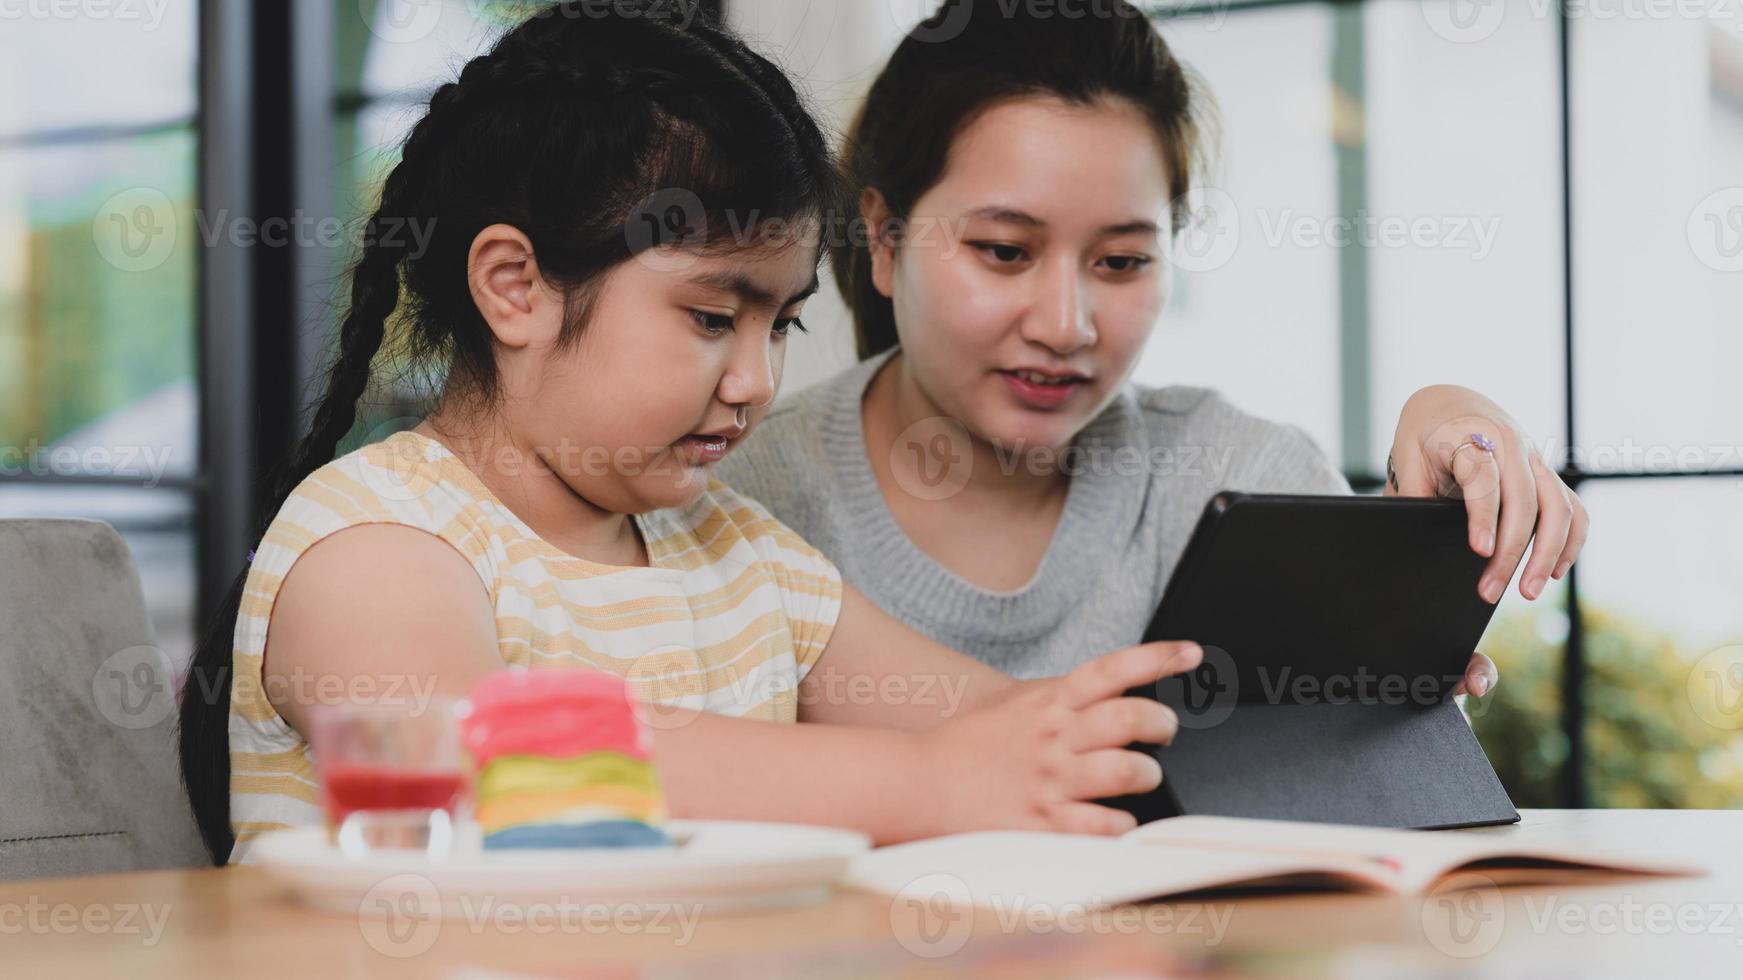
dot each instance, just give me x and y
(563, 130)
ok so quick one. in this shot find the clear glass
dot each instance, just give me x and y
(392, 771)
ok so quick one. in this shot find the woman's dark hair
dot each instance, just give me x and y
(597, 130)
(970, 56)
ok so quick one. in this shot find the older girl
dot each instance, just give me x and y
(988, 474)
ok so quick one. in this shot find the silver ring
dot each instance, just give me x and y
(1477, 440)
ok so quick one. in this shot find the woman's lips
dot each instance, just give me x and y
(1041, 394)
(703, 450)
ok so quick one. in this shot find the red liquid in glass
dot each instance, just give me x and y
(348, 789)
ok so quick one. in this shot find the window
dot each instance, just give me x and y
(1587, 276)
(99, 245)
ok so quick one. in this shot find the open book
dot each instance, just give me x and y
(1196, 853)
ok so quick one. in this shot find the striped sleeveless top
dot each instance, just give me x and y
(731, 614)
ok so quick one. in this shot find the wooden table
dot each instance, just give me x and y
(236, 922)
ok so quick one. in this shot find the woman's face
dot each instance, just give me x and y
(1032, 273)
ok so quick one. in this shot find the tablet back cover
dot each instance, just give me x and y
(1334, 631)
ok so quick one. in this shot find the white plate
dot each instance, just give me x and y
(717, 864)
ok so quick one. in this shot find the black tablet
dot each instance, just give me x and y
(1334, 630)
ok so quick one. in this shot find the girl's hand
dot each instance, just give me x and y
(1511, 494)
(1034, 758)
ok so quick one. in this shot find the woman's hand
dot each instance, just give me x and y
(1512, 496)
(1480, 677)
(1036, 756)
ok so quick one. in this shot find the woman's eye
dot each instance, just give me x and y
(790, 323)
(1002, 254)
(715, 323)
(1126, 263)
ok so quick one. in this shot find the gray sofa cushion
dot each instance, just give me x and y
(89, 778)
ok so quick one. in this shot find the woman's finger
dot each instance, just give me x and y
(1518, 516)
(1555, 515)
(1481, 676)
(1576, 536)
(1473, 473)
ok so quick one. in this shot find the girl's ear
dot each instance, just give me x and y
(504, 278)
(883, 248)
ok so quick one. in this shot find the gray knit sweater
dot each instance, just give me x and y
(1145, 468)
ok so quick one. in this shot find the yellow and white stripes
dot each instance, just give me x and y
(734, 609)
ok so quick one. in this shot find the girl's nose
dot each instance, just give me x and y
(751, 377)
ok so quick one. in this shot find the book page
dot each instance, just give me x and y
(1412, 859)
(1010, 870)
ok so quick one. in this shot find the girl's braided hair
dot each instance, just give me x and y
(580, 128)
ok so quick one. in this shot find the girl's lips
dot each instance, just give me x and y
(1041, 396)
(703, 450)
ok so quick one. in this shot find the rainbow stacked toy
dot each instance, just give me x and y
(561, 762)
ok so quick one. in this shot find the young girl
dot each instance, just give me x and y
(988, 475)
(609, 331)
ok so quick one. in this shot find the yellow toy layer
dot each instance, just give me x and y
(541, 807)
(511, 775)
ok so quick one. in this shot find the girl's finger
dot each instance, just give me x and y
(1118, 722)
(1113, 674)
(1112, 772)
(1077, 817)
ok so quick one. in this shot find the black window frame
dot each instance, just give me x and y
(1574, 790)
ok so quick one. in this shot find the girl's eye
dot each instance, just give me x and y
(790, 323)
(1126, 263)
(714, 323)
(1002, 254)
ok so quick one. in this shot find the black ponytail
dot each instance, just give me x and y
(573, 126)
